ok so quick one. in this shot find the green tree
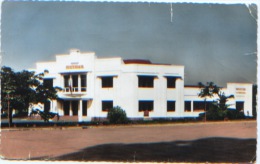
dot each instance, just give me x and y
(222, 101)
(117, 115)
(19, 89)
(207, 90)
(219, 108)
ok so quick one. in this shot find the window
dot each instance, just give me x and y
(47, 106)
(106, 105)
(170, 106)
(48, 83)
(66, 108)
(199, 106)
(75, 105)
(75, 83)
(145, 81)
(240, 105)
(107, 82)
(84, 108)
(83, 83)
(145, 105)
(187, 106)
(171, 82)
(66, 81)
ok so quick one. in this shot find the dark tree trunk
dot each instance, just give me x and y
(10, 117)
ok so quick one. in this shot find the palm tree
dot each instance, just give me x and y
(207, 91)
(222, 100)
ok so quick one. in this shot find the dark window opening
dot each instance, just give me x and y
(170, 106)
(83, 83)
(146, 81)
(240, 105)
(66, 81)
(107, 82)
(187, 106)
(145, 106)
(75, 83)
(106, 105)
(47, 106)
(66, 108)
(171, 82)
(75, 106)
(200, 105)
(84, 108)
(48, 83)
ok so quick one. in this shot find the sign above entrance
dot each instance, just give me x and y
(69, 67)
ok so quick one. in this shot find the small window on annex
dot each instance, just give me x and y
(106, 105)
(146, 81)
(107, 82)
(240, 105)
(145, 105)
(171, 82)
(170, 106)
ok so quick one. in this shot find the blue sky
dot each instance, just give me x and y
(215, 42)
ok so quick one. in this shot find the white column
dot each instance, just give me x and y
(71, 83)
(191, 106)
(80, 111)
(79, 83)
(180, 97)
(71, 114)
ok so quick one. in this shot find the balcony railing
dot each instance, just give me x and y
(74, 89)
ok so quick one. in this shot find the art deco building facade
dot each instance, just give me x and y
(91, 85)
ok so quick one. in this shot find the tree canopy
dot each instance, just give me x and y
(19, 89)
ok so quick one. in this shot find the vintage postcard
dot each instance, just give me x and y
(167, 81)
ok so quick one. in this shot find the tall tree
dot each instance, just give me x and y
(207, 90)
(222, 101)
(8, 88)
(210, 90)
(19, 89)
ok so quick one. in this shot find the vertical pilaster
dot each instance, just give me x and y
(191, 106)
(71, 114)
(80, 111)
(71, 83)
(180, 97)
(79, 83)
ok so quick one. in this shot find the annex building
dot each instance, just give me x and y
(91, 85)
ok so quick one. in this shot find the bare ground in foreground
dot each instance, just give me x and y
(233, 141)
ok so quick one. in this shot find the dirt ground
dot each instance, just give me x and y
(232, 141)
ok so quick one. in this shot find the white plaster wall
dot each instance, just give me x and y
(242, 92)
(125, 92)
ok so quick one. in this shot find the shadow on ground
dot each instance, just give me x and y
(202, 150)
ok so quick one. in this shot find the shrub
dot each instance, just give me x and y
(117, 115)
(234, 114)
(215, 114)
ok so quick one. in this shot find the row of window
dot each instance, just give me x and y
(74, 105)
(146, 105)
(72, 82)
(143, 81)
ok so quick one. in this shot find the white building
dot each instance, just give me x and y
(92, 85)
